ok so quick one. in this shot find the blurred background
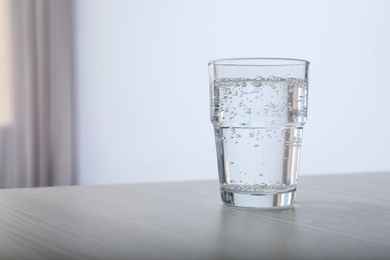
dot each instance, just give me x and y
(96, 91)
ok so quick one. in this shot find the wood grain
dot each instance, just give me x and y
(335, 217)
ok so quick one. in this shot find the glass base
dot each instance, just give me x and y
(278, 200)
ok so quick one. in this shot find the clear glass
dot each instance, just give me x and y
(258, 109)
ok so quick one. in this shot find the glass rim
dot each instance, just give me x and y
(259, 62)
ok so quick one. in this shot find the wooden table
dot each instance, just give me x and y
(335, 217)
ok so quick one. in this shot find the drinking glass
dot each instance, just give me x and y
(258, 110)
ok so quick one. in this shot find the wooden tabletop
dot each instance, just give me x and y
(335, 217)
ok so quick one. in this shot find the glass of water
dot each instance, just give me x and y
(258, 109)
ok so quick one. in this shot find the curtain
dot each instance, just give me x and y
(36, 95)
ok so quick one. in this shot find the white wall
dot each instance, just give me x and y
(142, 82)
